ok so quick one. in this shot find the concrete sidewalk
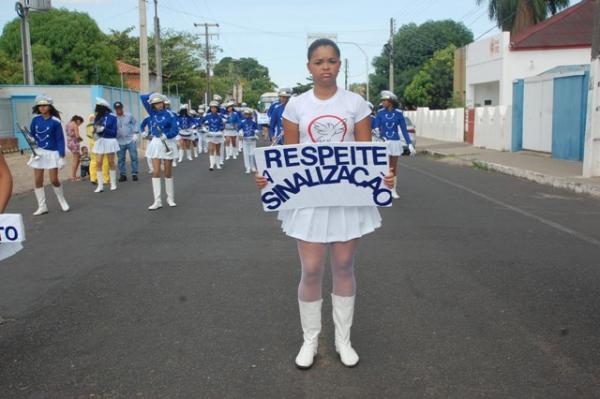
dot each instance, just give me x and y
(540, 168)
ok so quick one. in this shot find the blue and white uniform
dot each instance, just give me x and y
(202, 141)
(249, 131)
(215, 126)
(159, 123)
(105, 129)
(186, 124)
(390, 124)
(50, 139)
(276, 124)
(231, 121)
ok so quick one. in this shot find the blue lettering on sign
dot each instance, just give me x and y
(10, 233)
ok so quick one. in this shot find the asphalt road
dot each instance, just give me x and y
(478, 285)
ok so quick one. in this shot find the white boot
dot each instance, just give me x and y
(343, 312)
(188, 153)
(61, 198)
(394, 192)
(113, 179)
(195, 151)
(180, 156)
(221, 156)
(219, 160)
(310, 318)
(170, 189)
(40, 195)
(234, 151)
(211, 162)
(156, 188)
(100, 181)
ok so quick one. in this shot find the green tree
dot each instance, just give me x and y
(10, 70)
(125, 47)
(253, 77)
(413, 46)
(303, 87)
(517, 15)
(67, 47)
(432, 85)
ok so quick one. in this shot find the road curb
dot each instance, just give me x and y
(566, 183)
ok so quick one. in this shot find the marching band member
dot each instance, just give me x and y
(185, 122)
(47, 132)
(93, 161)
(202, 141)
(249, 131)
(215, 125)
(232, 119)
(315, 117)
(106, 145)
(163, 129)
(195, 130)
(390, 121)
(275, 124)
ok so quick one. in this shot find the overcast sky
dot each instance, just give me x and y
(275, 32)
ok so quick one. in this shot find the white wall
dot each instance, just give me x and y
(486, 91)
(446, 125)
(493, 128)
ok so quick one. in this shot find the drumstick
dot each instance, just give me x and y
(27, 135)
(169, 151)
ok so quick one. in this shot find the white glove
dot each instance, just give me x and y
(412, 150)
(61, 163)
(163, 137)
(99, 129)
(135, 138)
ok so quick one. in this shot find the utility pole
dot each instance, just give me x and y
(157, 50)
(346, 73)
(392, 31)
(591, 153)
(23, 12)
(144, 69)
(207, 54)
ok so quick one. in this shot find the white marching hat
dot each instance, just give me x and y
(247, 111)
(214, 103)
(43, 100)
(103, 102)
(218, 98)
(184, 106)
(388, 95)
(229, 104)
(156, 98)
(285, 92)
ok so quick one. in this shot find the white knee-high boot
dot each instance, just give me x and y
(113, 179)
(211, 162)
(188, 154)
(221, 154)
(310, 318)
(64, 205)
(100, 181)
(180, 156)
(156, 190)
(40, 196)
(170, 189)
(394, 192)
(234, 151)
(195, 150)
(343, 313)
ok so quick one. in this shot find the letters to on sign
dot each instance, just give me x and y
(308, 175)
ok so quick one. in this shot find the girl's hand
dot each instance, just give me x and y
(261, 181)
(388, 180)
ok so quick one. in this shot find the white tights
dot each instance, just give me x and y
(313, 257)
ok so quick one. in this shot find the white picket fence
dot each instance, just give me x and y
(445, 125)
(493, 128)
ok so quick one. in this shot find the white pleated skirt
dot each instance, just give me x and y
(215, 137)
(156, 149)
(47, 159)
(231, 133)
(330, 224)
(186, 134)
(394, 148)
(106, 146)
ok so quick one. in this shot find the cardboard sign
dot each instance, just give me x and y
(334, 174)
(11, 228)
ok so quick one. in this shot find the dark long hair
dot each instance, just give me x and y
(100, 111)
(183, 112)
(53, 111)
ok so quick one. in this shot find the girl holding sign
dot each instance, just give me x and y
(47, 132)
(327, 114)
(390, 121)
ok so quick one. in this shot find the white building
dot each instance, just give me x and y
(493, 63)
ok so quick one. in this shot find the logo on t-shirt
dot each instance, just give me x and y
(327, 128)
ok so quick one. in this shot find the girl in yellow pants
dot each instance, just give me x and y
(105, 167)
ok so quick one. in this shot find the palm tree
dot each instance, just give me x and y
(517, 15)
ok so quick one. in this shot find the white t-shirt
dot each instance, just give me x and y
(324, 121)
